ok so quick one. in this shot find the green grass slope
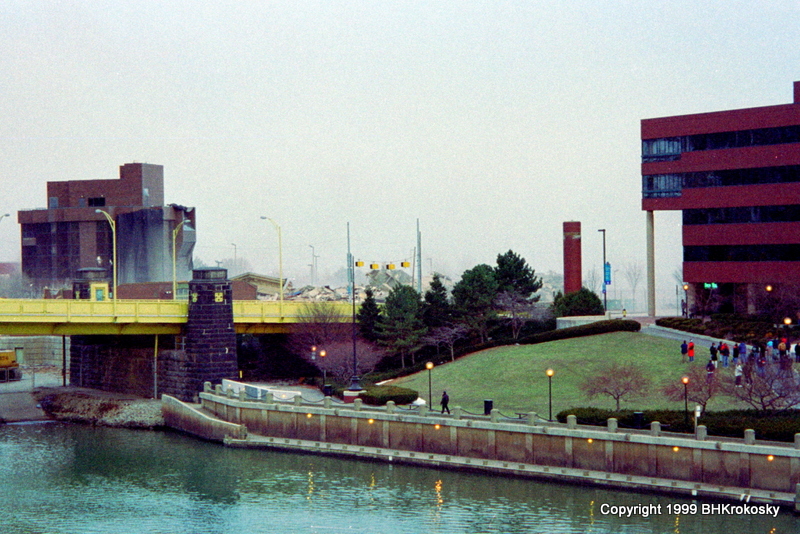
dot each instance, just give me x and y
(514, 376)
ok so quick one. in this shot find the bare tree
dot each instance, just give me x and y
(447, 336)
(337, 362)
(516, 310)
(677, 275)
(593, 281)
(621, 382)
(772, 389)
(699, 390)
(320, 324)
(633, 274)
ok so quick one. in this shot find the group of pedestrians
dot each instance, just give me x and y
(745, 360)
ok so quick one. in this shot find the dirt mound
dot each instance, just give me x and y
(101, 408)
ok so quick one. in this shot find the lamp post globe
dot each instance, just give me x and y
(429, 367)
(550, 374)
(685, 381)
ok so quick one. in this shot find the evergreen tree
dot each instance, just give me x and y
(437, 311)
(515, 275)
(368, 316)
(473, 298)
(581, 302)
(400, 326)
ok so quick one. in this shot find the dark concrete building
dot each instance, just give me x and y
(71, 234)
(735, 176)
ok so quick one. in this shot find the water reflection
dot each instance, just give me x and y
(66, 479)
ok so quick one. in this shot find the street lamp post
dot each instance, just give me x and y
(686, 299)
(280, 262)
(314, 359)
(313, 266)
(355, 380)
(550, 374)
(175, 258)
(429, 367)
(685, 381)
(322, 355)
(113, 254)
(605, 293)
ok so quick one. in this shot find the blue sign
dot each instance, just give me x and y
(607, 274)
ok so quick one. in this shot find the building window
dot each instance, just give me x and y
(662, 185)
(97, 202)
(670, 148)
(746, 215)
(751, 253)
(52, 203)
(664, 149)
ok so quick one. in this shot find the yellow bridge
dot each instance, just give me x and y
(28, 317)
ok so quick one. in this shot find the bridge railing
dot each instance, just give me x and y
(76, 311)
(270, 311)
(162, 311)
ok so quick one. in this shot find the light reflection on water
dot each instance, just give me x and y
(72, 479)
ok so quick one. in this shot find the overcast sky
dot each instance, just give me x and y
(492, 122)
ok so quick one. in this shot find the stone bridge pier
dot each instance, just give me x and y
(177, 365)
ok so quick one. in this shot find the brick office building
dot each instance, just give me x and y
(70, 234)
(735, 175)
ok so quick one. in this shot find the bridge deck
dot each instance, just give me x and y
(131, 317)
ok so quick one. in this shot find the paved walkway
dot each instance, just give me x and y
(17, 402)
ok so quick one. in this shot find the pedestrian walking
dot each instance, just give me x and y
(691, 350)
(684, 351)
(710, 367)
(713, 350)
(738, 371)
(797, 352)
(445, 402)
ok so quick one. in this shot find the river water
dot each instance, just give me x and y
(57, 478)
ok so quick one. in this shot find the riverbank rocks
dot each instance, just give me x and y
(88, 406)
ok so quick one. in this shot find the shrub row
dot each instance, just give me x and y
(731, 423)
(380, 395)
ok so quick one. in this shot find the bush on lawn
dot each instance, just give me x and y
(380, 395)
(731, 423)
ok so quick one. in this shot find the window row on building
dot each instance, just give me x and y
(750, 253)
(671, 148)
(743, 215)
(670, 185)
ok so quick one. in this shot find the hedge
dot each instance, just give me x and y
(730, 423)
(380, 395)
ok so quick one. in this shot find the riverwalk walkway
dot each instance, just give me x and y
(16, 402)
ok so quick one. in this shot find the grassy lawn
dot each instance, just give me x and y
(514, 376)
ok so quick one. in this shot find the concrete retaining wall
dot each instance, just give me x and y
(189, 419)
(733, 465)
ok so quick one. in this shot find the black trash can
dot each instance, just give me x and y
(638, 420)
(327, 390)
(487, 406)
